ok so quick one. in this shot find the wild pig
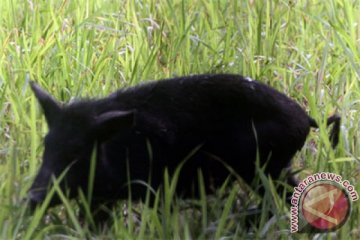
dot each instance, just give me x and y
(227, 118)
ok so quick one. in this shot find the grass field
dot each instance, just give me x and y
(89, 48)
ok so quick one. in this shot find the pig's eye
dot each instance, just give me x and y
(69, 147)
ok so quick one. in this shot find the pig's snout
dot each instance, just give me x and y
(36, 197)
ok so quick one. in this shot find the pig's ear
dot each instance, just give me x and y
(109, 123)
(49, 105)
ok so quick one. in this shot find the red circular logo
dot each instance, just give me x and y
(325, 206)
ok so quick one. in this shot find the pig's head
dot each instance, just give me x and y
(73, 131)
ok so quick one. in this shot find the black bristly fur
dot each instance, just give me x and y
(228, 116)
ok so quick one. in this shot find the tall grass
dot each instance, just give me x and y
(306, 49)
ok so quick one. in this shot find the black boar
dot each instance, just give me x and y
(223, 116)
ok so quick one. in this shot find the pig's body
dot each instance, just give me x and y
(220, 118)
